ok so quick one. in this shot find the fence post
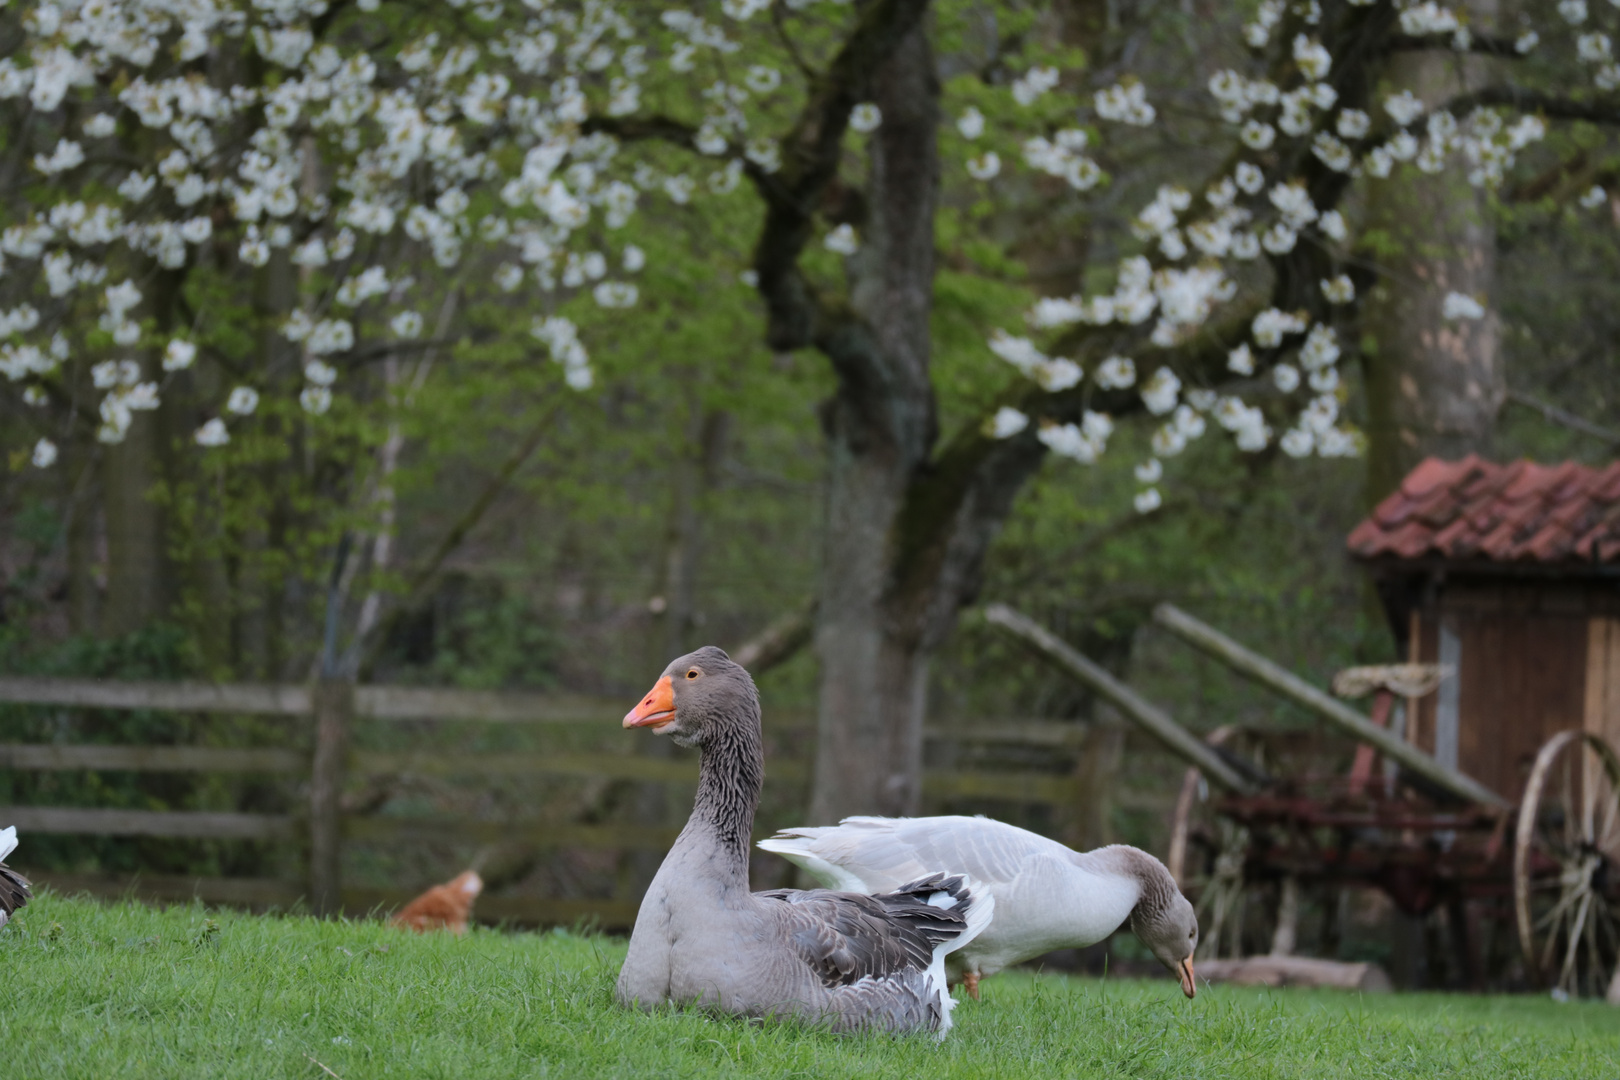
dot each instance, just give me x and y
(334, 705)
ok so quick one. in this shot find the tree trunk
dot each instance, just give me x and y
(140, 573)
(1434, 386)
(881, 428)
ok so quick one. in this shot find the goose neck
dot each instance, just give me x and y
(731, 775)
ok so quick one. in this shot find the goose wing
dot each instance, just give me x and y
(870, 853)
(14, 892)
(846, 937)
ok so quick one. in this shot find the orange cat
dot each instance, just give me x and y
(446, 906)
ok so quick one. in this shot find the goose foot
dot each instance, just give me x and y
(970, 980)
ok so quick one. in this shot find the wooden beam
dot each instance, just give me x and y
(1009, 786)
(276, 700)
(1155, 721)
(1251, 664)
(270, 892)
(611, 766)
(540, 834)
(186, 824)
(245, 892)
(334, 707)
(490, 706)
(56, 758)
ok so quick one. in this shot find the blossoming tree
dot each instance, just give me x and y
(221, 213)
(339, 170)
(1236, 311)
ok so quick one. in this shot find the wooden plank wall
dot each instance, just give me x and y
(1523, 675)
(1076, 787)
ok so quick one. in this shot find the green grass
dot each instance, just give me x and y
(122, 991)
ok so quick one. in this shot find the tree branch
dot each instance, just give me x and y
(1553, 414)
(1486, 44)
(362, 653)
(1600, 109)
(796, 315)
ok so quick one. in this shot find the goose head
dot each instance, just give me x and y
(696, 695)
(1170, 931)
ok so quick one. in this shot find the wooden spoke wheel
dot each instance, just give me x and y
(1566, 865)
(1208, 852)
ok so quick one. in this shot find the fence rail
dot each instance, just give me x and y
(326, 826)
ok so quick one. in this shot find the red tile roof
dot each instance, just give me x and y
(1479, 511)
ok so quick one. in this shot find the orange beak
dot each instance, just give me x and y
(1185, 970)
(656, 709)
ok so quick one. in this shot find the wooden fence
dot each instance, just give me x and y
(1047, 769)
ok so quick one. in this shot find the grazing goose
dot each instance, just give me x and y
(850, 961)
(1047, 896)
(13, 886)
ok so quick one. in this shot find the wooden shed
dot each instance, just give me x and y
(1508, 576)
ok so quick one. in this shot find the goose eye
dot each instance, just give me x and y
(692, 674)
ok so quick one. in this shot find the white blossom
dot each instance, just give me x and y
(243, 400)
(1258, 135)
(44, 454)
(1353, 123)
(315, 400)
(1116, 373)
(615, 294)
(1312, 59)
(1339, 290)
(1461, 306)
(1333, 226)
(865, 117)
(1160, 392)
(213, 433)
(1125, 104)
(1286, 377)
(407, 324)
(1403, 107)
(761, 79)
(1148, 501)
(1032, 84)
(1594, 197)
(1297, 443)
(179, 355)
(1149, 471)
(1006, 423)
(1240, 361)
(970, 123)
(984, 167)
(1271, 325)
(842, 240)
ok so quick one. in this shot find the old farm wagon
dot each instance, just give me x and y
(1499, 798)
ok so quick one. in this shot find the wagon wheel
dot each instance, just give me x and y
(1207, 851)
(1566, 865)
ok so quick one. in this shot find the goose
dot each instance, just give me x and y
(14, 891)
(848, 961)
(1047, 896)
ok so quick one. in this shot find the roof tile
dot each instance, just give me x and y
(1473, 509)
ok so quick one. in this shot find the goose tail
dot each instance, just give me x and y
(975, 903)
(797, 846)
(14, 891)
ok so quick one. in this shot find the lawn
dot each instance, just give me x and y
(119, 990)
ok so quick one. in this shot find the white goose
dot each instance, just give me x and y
(1047, 895)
